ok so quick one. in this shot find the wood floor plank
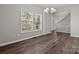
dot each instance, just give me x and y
(54, 43)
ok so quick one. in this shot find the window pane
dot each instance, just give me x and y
(26, 25)
(36, 22)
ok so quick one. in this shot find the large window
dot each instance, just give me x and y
(37, 22)
(30, 22)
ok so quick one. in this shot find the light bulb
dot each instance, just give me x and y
(52, 8)
(45, 11)
(47, 8)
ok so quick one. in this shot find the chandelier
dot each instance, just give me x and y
(49, 10)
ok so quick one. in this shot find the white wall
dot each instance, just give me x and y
(75, 21)
(64, 24)
(10, 22)
(65, 17)
(52, 22)
(47, 22)
(1, 23)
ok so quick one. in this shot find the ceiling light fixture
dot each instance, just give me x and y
(49, 10)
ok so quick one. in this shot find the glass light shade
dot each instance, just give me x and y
(52, 11)
(44, 10)
(52, 8)
(47, 9)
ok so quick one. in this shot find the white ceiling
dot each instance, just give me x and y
(54, 5)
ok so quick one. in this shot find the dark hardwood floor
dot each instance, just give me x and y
(54, 43)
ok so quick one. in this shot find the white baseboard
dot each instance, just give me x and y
(77, 36)
(3, 44)
(63, 31)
